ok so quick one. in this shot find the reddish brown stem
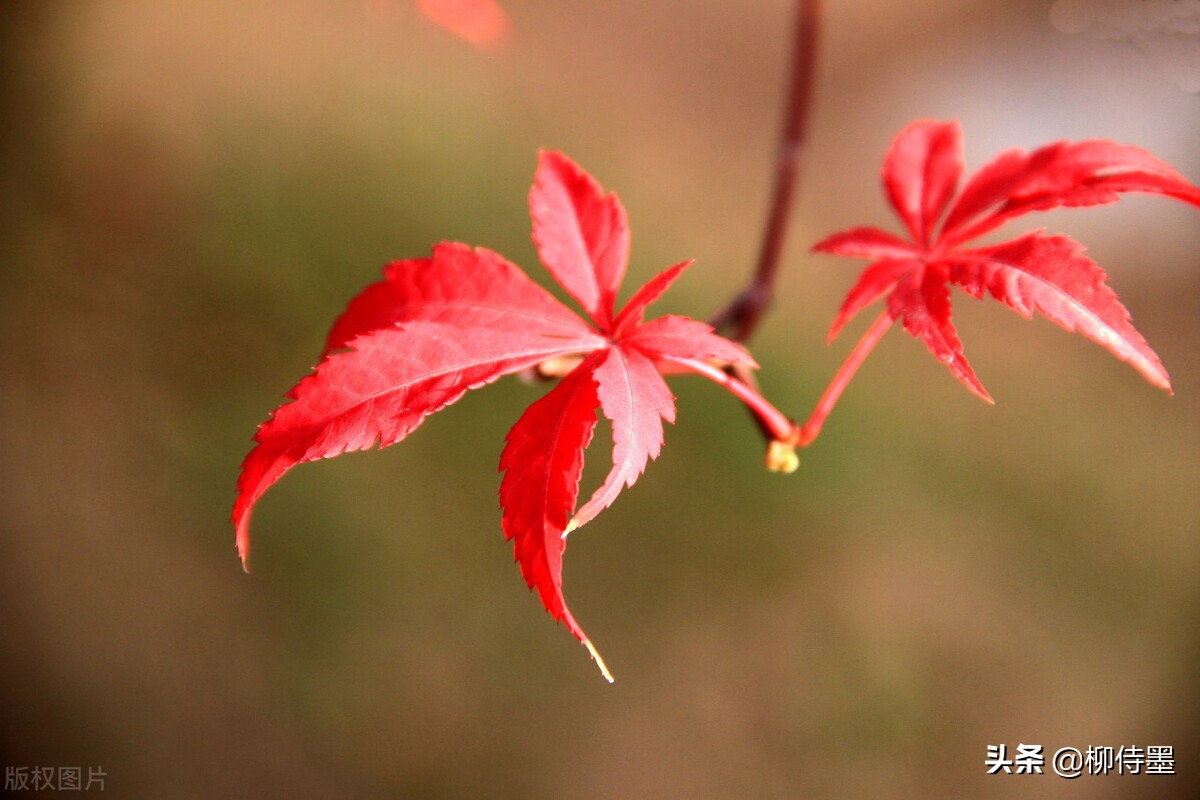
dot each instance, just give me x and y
(746, 310)
(812, 428)
(773, 421)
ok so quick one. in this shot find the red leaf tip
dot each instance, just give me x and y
(243, 548)
(599, 661)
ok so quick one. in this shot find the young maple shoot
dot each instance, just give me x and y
(435, 327)
(1048, 274)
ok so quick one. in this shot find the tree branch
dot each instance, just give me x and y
(746, 310)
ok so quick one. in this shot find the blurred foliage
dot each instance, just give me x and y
(191, 192)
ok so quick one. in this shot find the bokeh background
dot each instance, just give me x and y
(190, 191)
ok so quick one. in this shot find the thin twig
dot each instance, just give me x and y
(746, 310)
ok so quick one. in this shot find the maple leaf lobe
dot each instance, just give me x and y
(581, 234)
(921, 173)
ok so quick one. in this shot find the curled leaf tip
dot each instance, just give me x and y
(781, 457)
(599, 661)
(242, 543)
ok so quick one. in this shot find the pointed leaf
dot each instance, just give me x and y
(635, 310)
(636, 400)
(996, 181)
(1073, 163)
(921, 171)
(1046, 274)
(1097, 191)
(581, 234)
(875, 281)
(380, 305)
(865, 242)
(457, 285)
(923, 302)
(542, 463)
(684, 337)
(436, 327)
(1063, 174)
(1050, 275)
(381, 391)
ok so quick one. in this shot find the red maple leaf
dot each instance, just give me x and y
(436, 327)
(480, 22)
(1036, 272)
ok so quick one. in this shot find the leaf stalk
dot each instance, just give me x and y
(774, 422)
(833, 392)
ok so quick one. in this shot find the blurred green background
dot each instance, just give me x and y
(192, 190)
